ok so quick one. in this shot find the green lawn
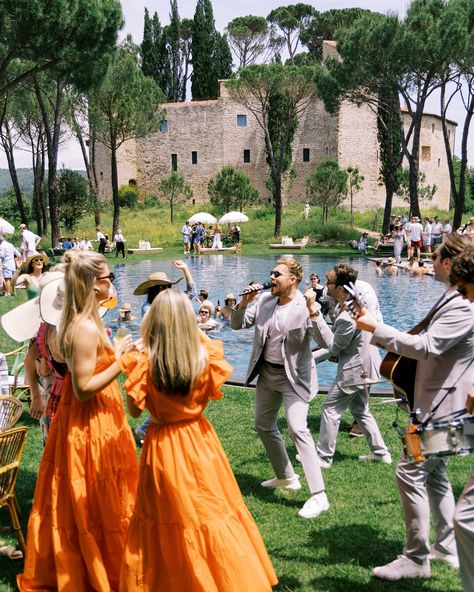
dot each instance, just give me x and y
(335, 552)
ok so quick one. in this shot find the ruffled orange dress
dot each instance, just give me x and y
(84, 494)
(190, 529)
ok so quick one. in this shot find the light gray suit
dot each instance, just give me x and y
(444, 375)
(355, 355)
(295, 384)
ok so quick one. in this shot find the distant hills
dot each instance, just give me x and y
(25, 178)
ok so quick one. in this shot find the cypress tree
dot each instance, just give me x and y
(203, 82)
(148, 49)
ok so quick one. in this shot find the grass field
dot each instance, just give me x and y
(333, 553)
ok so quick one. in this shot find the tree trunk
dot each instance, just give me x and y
(278, 206)
(8, 148)
(115, 188)
(387, 209)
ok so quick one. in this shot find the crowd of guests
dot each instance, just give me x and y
(178, 521)
(196, 236)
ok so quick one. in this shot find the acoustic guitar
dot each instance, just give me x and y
(401, 372)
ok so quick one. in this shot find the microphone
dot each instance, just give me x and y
(265, 286)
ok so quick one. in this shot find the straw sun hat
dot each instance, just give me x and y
(22, 323)
(159, 278)
(29, 259)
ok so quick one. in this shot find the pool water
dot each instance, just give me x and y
(404, 299)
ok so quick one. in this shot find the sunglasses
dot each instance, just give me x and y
(110, 277)
(276, 274)
(37, 260)
(329, 282)
(205, 312)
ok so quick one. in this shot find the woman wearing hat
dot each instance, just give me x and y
(35, 266)
(86, 486)
(204, 319)
(190, 529)
(391, 268)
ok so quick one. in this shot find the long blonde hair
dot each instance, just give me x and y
(81, 269)
(171, 338)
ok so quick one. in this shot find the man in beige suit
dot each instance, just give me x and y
(281, 357)
(444, 375)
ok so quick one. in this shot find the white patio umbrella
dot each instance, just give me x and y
(6, 227)
(233, 218)
(203, 217)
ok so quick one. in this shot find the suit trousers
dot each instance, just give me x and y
(464, 531)
(273, 389)
(335, 403)
(424, 486)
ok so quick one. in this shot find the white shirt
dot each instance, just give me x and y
(100, 235)
(8, 254)
(436, 229)
(273, 350)
(86, 245)
(29, 242)
(119, 238)
(447, 228)
(416, 230)
(427, 230)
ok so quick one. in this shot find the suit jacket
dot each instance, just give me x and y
(352, 348)
(445, 354)
(296, 343)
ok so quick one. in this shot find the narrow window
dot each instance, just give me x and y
(305, 154)
(432, 128)
(194, 157)
(439, 162)
(164, 125)
(327, 150)
(426, 153)
(247, 156)
(174, 162)
(241, 120)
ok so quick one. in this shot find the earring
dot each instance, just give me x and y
(96, 290)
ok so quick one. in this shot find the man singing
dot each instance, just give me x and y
(444, 375)
(281, 357)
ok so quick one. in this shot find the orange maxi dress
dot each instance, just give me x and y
(84, 496)
(190, 530)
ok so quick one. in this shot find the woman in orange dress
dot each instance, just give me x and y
(190, 529)
(87, 478)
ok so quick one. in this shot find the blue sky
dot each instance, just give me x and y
(225, 11)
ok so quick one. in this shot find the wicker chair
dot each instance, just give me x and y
(12, 382)
(10, 412)
(11, 449)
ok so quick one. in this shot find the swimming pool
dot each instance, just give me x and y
(404, 299)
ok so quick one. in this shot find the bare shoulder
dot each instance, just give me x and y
(85, 332)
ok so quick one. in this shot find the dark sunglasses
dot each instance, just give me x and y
(276, 274)
(110, 277)
(204, 312)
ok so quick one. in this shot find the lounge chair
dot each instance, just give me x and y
(288, 243)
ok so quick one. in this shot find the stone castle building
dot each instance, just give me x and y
(199, 138)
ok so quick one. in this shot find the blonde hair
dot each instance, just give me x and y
(293, 267)
(81, 269)
(171, 338)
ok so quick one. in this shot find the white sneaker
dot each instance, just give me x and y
(324, 464)
(290, 483)
(451, 560)
(298, 458)
(401, 568)
(386, 459)
(317, 504)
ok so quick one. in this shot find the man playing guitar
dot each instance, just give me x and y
(444, 374)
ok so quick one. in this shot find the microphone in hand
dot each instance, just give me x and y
(264, 286)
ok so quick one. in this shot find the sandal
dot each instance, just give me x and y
(11, 552)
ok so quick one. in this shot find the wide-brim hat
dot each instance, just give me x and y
(51, 299)
(42, 256)
(126, 307)
(229, 296)
(159, 278)
(22, 322)
(390, 261)
(471, 220)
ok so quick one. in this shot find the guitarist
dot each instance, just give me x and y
(444, 374)
(462, 275)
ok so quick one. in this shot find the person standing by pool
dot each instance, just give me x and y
(281, 357)
(87, 480)
(102, 240)
(186, 232)
(8, 253)
(30, 242)
(399, 239)
(427, 235)
(416, 234)
(216, 238)
(436, 233)
(190, 529)
(444, 375)
(119, 243)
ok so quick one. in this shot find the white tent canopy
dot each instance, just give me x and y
(233, 218)
(203, 217)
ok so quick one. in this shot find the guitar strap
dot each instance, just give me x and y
(422, 325)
